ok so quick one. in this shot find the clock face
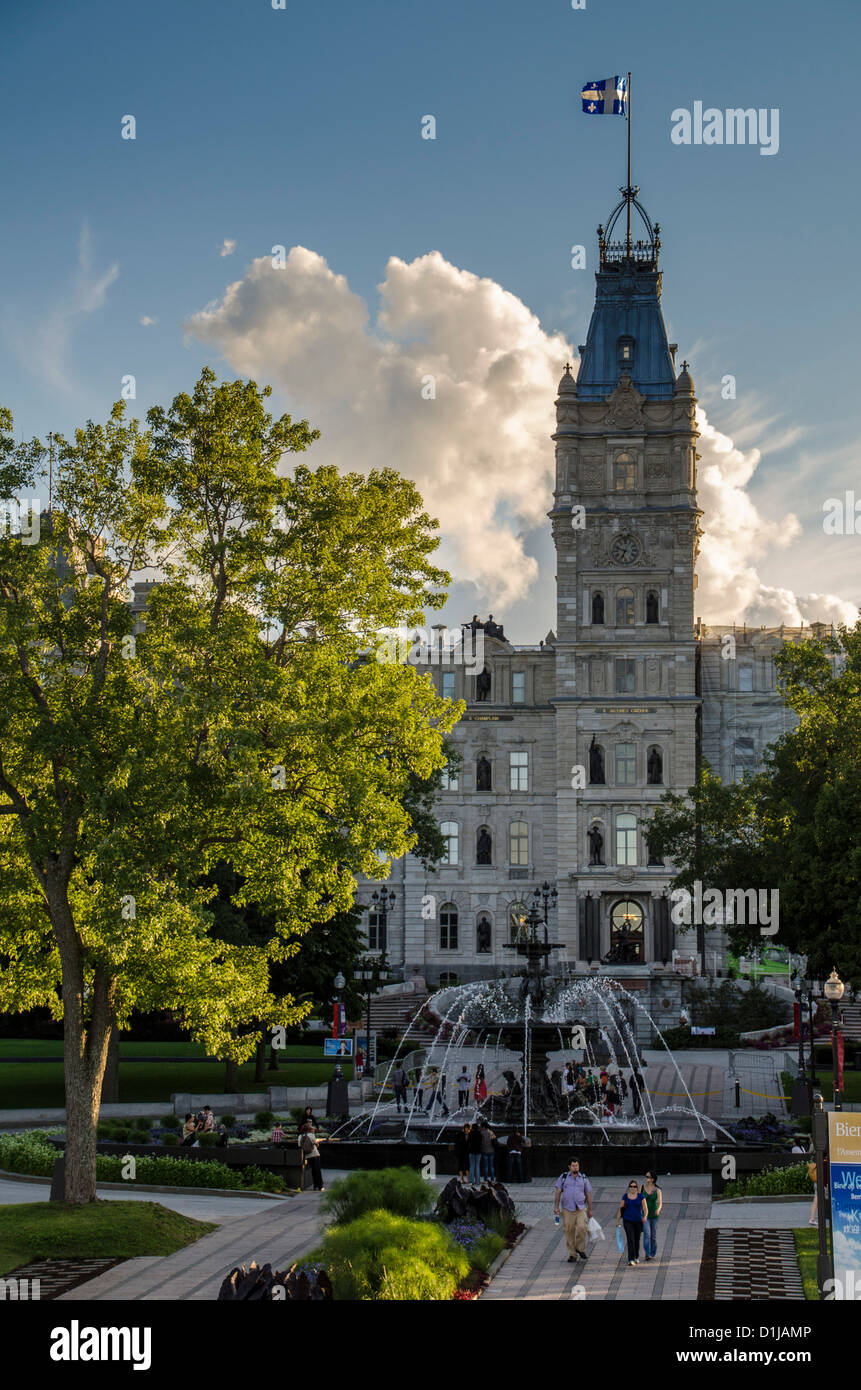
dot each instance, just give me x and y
(625, 550)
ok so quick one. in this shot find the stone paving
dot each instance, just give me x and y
(538, 1269)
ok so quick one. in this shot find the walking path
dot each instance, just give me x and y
(538, 1269)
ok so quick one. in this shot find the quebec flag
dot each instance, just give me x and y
(607, 98)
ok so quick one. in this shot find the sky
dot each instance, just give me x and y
(258, 128)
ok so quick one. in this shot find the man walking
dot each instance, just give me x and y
(399, 1080)
(574, 1195)
(636, 1088)
(463, 1083)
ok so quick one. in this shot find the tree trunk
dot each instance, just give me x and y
(85, 1055)
(111, 1083)
(273, 1058)
(231, 1076)
(260, 1059)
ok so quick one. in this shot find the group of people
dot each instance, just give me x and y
(202, 1123)
(606, 1093)
(639, 1211)
(477, 1150)
(434, 1083)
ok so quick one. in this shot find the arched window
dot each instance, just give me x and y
(518, 844)
(518, 921)
(626, 764)
(450, 831)
(483, 845)
(448, 927)
(447, 979)
(626, 932)
(626, 839)
(483, 935)
(655, 767)
(483, 775)
(625, 473)
(598, 609)
(653, 607)
(624, 607)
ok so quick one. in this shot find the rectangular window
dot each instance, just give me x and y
(448, 685)
(626, 839)
(376, 932)
(450, 780)
(518, 845)
(626, 764)
(518, 767)
(448, 928)
(626, 676)
(451, 834)
(745, 677)
(518, 687)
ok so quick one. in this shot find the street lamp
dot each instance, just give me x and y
(368, 974)
(834, 990)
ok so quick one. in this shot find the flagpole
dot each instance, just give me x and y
(628, 190)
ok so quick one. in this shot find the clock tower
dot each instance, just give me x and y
(625, 527)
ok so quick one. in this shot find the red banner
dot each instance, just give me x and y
(840, 1052)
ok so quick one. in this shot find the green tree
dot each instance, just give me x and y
(794, 825)
(238, 723)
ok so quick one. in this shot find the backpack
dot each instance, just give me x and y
(566, 1174)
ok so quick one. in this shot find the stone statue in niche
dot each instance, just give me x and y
(597, 608)
(651, 607)
(483, 775)
(483, 936)
(596, 846)
(482, 684)
(596, 763)
(654, 768)
(483, 847)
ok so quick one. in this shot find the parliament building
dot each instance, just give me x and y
(567, 745)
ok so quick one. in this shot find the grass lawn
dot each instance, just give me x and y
(807, 1252)
(56, 1230)
(40, 1084)
(851, 1085)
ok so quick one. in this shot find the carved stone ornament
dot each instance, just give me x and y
(625, 405)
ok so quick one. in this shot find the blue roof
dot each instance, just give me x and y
(627, 306)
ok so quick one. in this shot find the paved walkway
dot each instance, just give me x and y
(204, 1207)
(538, 1269)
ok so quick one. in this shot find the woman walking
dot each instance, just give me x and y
(633, 1212)
(473, 1144)
(488, 1141)
(654, 1201)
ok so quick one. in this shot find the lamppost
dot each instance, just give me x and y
(834, 990)
(548, 895)
(339, 983)
(811, 1017)
(370, 972)
(802, 1088)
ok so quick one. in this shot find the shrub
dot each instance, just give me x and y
(171, 1122)
(207, 1141)
(27, 1153)
(264, 1119)
(772, 1182)
(120, 1136)
(486, 1250)
(169, 1138)
(228, 1120)
(399, 1190)
(143, 1123)
(258, 1180)
(386, 1257)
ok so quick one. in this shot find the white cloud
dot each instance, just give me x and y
(480, 451)
(147, 322)
(227, 247)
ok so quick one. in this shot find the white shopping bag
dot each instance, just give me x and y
(595, 1230)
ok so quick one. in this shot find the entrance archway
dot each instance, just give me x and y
(627, 935)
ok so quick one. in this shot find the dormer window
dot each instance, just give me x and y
(626, 353)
